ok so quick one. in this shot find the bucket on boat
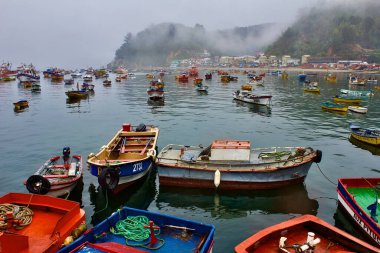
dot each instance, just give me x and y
(127, 127)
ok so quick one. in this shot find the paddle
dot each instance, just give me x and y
(146, 146)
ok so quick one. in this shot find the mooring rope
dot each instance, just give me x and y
(326, 176)
(21, 214)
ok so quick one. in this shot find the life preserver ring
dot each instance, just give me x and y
(38, 184)
(318, 158)
(109, 178)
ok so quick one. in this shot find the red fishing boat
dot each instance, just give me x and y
(303, 234)
(37, 223)
(193, 71)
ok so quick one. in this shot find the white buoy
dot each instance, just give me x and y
(217, 178)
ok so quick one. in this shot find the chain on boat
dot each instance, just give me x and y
(21, 216)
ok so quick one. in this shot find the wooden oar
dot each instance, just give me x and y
(146, 146)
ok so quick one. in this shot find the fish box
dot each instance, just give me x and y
(230, 150)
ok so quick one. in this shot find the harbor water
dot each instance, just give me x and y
(29, 137)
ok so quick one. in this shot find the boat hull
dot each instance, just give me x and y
(357, 213)
(260, 100)
(27, 78)
(368, 136)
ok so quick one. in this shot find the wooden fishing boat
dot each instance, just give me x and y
(312, 89)
(184, 78)
(77, 93)
(329, 106)
(247, 87)
(248, 97)
(208, 76)
(87, 78)
(76, 75)
(347, 99)
(193, 71)
(107, 82)
(118, 79)
(198, 80)
(331, 78)
(225, 78)
(156, 90)
(365, 135)
(57, 77)
(202, 88)
(358, 197)
(306, 233)
(58, 176)
(21, 104)
(358, 93)
(127, 157)
(152, 232)
(358, 109)
(87, 86)
(149, 76)
(231, 164)
(68, 81)
(37, 223)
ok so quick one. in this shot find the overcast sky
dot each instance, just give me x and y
(82, 33)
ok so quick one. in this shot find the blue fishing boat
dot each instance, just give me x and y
(301, 77)
(138, 231)
(128, 157)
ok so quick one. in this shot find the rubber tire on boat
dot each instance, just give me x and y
(318, 158)
(108, 178)
(33, 188)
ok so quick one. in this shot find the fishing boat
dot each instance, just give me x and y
(312, 87)
(118, 79)
(88, 86)
(193, 71)
(57, 76)
(358, 197)
(202, 88)
(156, 90)
(150, 232)
(284, 75)
(347, 99)
(77, 93)
(107, 82)
(365, 135)
(302, 77)
(329, 106)
(208, 76)
(149, 76)
(38, 223)
(232, 165)
(58, 176)
(248, 97)
(68, 81)
(127, 157)
(183, 78)
(354, 79)
(8, 78)
(303, 234)
(21, 104)
(358, 109)
(247, 87)
(36, 87)
(27, 74)
(358, 93)
(76, 75)
(331, 78)
(198, 81)
(87, 78)
(225, 78)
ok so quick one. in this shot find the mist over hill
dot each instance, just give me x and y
(159, 44)
(347, 29)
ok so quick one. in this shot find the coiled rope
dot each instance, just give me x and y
(276, 155)
(21, 214)
(132, 228)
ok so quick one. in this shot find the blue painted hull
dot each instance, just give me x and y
(199, 238)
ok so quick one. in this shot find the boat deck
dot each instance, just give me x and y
(364, 197)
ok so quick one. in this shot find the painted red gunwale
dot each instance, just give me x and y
(264, 236)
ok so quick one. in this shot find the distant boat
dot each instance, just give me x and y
(161, 233)
(208, 76)
(28, 74)
(331, 78)
(202, 88)
(36, 87)
(57, 176)
(68, 81)
(156, 90)
(329, 106)
(306, 233)
(233, 165)
(107, 82)
(358, 93)
(76, 75)
(248, 97)
(77, 93)
(368, 136)
(19, 105)
(358, 109)
(87, 86)
(302, 77)
(358, 197)
(87, 78)
(347, 99)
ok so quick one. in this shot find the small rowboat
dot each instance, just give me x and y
(148, 232)
(312, 89)
(198, 81)
(38, 223)
(77, 93)
(19, 105)
(365, 135)
(358, 93)
(329, 106)
(358, 197)
(247, 87)
(107, 82)
(58, 176)
(347, 99)
(232, 165)
(248, 97)
(127, 157)
(358, 109)
(306, 233)
(202, 88)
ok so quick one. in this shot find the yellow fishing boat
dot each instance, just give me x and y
(284, 75)
(312, 89)
(369, 136)
(149, 76)
(247, 87)
(333, 107)
(21, 104)
(347, 100)
(331, 78)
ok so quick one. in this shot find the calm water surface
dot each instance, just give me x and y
(30, 137)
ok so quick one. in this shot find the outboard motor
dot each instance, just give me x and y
(66, 154)
(141, 128)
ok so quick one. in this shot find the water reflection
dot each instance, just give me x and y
(156, 103)
(373, 149)
(139, 195)
(76, 193)
(228, 204)
(259, 109)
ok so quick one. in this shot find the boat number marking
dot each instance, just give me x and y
(366, 228)
(137, 167)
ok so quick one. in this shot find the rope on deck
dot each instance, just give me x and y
(21, 216)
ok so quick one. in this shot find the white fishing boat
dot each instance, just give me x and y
(249, 97)
(358, 109)
(358, 93)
